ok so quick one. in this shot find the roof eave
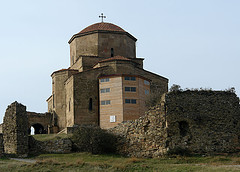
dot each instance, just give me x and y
(101, 31)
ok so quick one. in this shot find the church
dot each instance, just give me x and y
(105, 84)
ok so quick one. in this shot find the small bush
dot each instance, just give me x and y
(94, 140)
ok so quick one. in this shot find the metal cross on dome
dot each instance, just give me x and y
(102, 16)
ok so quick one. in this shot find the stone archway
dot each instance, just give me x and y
(38, 129)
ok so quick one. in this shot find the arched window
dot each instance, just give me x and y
(90, 106)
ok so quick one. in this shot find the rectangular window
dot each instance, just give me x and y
(130, 78)
(131, 101)
(112, 118)
(104, 80)
(105, 90)
(130, 89)
(146, 92)
(146, 82)
(105, 102)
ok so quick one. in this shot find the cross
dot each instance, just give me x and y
(102, 16)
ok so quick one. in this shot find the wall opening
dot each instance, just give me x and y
(90, 106)
(112, 52)
(36, 129)
(184, 128)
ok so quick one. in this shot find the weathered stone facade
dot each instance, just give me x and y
(15, 130)
(193, 121)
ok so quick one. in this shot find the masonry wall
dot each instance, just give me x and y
(15, 130)
(121, 44)
(203, 121)
(193, 121)
(1, 145)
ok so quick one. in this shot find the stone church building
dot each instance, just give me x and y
(105, 83)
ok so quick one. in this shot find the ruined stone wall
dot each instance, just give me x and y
(193, 121)
(1, 145)
(63, 145)
(144, 137)
(203, 121)
(15, 130)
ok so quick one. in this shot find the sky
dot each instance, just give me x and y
(195, 44)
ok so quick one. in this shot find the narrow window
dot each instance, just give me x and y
(146, 92)
(112, 52)
(90, 104)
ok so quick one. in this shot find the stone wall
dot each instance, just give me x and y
(144, 137)
(15, 130)
(203, 121)
(193, 121)
(63, 145)
(1, 145)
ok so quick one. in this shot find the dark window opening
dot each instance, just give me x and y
(130, 78)
(90, 104)
(130, 101)
(112, 52)
(184, 128)
(130, 89)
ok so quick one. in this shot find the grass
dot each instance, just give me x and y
(88, 162)
(46, 137)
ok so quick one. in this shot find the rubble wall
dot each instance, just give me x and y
(191, 121)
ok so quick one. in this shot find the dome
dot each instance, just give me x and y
(102, 26)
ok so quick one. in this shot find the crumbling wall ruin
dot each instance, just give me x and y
(190, 121)
(15, 130)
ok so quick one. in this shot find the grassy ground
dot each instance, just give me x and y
(88, 162)
(46, 137)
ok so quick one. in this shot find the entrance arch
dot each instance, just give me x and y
(38, 129)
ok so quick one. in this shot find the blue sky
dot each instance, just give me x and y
(193, 43)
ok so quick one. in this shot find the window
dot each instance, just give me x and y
(131, 101)
(130, 78)
(105, 90)
(130, 89)
(90, 106)
(112, 52)
(146, 92)
(105, 102)
(146, 82)
(112, 118)
(104, 80)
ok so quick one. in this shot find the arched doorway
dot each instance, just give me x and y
(38, 129)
